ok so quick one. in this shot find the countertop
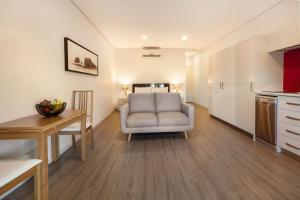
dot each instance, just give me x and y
(270, 93)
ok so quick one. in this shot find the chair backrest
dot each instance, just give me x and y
(83, 100)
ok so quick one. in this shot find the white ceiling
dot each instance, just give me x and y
(123, 22)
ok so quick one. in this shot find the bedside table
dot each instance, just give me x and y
(121, 102)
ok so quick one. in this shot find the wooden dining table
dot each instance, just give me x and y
(39, 128)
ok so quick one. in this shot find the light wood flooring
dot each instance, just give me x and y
(217, 162)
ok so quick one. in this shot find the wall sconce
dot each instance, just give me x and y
(125, 88)
(177, 87)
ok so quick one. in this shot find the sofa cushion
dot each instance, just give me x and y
(135, 120)
(168, 102)
(172, 119)
(141, 102)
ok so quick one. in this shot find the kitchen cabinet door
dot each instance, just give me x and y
(286, 32)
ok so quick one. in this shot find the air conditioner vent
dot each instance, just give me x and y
(151, 52)
(151, 48)
(151, 55)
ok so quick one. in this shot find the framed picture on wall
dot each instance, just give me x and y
(80, 59)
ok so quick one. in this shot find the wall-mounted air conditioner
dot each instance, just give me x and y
(151, 52)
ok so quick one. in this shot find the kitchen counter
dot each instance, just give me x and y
(270, 93)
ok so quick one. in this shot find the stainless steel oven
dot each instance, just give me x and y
(265, 119)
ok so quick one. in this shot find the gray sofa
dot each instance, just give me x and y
(156, 112)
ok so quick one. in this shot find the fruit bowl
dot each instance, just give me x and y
(50, 109)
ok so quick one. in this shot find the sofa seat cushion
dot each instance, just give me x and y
(168, 102)
(146, 119)
(172, 119)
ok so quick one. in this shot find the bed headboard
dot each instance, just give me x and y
(134, 85)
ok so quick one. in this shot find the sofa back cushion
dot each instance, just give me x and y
(141, 102)
(168, 102)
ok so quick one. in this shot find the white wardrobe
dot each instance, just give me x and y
(223, 85)
(239, 71)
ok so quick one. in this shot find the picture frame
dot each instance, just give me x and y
(79, 59)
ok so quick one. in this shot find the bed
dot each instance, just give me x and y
(150, 87)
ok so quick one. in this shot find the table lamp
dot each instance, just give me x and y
(177, 87)
(124, 89)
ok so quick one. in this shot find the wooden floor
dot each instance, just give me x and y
(217, 162)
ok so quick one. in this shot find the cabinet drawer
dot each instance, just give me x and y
(289, 144)
(288, 116)
(290, 103)
(288, 130)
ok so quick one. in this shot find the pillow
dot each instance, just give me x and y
(141, 102)
(168, 102)
(160, 89)
(142, 90)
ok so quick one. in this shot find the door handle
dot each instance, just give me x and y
(292, 146)
(251, 86)
(221, 85)
(292, 132)
(293, 118)
(293, 104)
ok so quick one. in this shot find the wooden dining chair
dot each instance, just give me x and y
(15, 172)
(81, 100)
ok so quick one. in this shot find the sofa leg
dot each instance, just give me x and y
(185, 135)
(129, 137)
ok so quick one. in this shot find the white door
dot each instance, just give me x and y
(245, 98)
(216, 87)
(189, 84)
(224, 85)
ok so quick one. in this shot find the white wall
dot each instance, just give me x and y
(279, 24)
(200, 81)
(32, 62)
(131, 67)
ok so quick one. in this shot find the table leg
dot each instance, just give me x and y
(55, 147)
(37, 183)
(42, 151)
(83, 137)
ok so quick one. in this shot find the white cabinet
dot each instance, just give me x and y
(236, 73)
(245, 76)
(286, 31)
(288, 120)
(255, 70)
(223, 78)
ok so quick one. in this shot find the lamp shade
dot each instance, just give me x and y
(125, 87)
(177, 86)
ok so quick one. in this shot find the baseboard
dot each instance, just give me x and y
(291, 154)
(233, 126)
(102, 120)
(198, 104)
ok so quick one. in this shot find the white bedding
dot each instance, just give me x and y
(151, 89)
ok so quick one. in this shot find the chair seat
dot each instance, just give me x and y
(172, 119)
(147, 119)
(76, 126)
(11, 169)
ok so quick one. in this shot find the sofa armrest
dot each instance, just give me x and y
(188, 109)
(124, 112)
